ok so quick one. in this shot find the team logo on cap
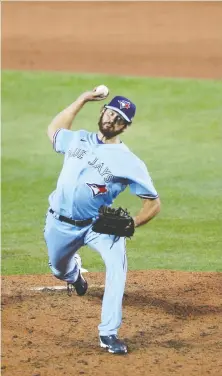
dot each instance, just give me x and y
(97, 189)
(124, 104)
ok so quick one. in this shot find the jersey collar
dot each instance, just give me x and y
(98, 140)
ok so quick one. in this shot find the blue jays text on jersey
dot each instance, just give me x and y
(102, 170)
(94, 174)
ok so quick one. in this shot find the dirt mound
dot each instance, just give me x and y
(172, 323)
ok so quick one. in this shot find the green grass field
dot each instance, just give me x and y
(177, 132)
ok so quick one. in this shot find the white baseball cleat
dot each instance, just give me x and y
(80, 285)
(79, 262)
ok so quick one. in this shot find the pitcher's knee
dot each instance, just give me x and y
(116, 265)
(116, 272)
(57, 273)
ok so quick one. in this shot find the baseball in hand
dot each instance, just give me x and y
(102, 90)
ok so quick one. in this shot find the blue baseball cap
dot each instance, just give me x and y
(123, 106)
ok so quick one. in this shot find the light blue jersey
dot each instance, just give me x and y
(94, 174)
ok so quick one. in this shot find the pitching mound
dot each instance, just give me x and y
(172, 323)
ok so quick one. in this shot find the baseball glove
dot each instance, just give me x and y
(113, 221)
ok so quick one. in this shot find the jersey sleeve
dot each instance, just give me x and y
(142, 185)
(63, 137)
(61, 140)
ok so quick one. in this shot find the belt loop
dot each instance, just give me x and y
(54, 214)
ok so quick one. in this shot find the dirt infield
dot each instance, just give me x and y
(138, 38)
(172, 324)
(172, 320)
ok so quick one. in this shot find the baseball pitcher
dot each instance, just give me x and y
(97, 168)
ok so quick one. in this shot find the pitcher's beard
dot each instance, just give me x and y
(108, 133)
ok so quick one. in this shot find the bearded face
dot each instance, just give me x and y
(111, 124)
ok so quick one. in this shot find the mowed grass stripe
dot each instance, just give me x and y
(177, 132)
